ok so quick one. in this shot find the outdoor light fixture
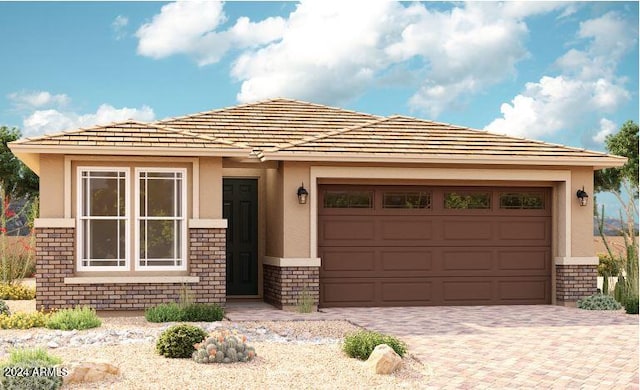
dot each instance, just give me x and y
(583, 197)
(302, 194)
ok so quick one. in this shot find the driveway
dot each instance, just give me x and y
(497, 347)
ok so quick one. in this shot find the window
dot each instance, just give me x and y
(406, 200)
(478, 200)
(160, 218)
(348, 199)
(102, 215)
(522, 200)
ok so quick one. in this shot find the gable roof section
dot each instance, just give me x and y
(401, 138)
(270, 123)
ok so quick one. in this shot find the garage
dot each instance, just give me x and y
(426, 245)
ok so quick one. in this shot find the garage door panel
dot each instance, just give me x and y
(524, 231)
(531, 259)
(465, 229)
(524, 290)
(348, 229)
(467, 291)
(405, 229)
(348, 292)
(477, 260)
(406, 292)
(348, 259)
(403, 259)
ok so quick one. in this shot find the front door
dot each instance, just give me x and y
(240, 209)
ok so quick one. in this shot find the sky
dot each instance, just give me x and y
(561, 72)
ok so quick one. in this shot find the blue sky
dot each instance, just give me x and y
(562, 72)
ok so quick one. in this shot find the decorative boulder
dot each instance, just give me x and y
(90, 372)
(383, 360)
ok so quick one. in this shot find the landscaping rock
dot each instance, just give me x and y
(383, 360)
(90, 372)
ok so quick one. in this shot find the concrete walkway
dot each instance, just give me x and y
(497, 347)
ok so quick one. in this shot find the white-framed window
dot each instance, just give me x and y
(102, 219)
(161, 208)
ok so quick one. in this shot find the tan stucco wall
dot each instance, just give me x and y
(582, 216)
(210, 187)
(295, 216)
(274, 213)
(51, 186)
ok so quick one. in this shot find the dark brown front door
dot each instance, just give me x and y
(240, 209)
(411, 245)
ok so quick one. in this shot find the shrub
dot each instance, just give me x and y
(598, 302)
(192, 312)
(22, 320)
(631, 304)
(17, 292)
(360, 344)
(223, 347)
(305, 302)
(4, 308)
(202, 312)
(76, 318)
(178, 341)
(27, 360)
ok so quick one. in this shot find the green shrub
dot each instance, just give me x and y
(23, 320)
(164, 312)
(598, 302)
(192, 312)
(17, 292)
(223, 347)
(76, 318)
(4, 308)
(178, 341)
(28, 360)
(631, 304)
(360, 344)
(608, 266)
(202, 312)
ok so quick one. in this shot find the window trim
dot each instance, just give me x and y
(183, 218)
(80, 226)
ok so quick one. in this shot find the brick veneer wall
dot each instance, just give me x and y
(575, 281)
(283, 286)
(55, 260)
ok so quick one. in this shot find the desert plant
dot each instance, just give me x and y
(305, 302)
(631, 304)
(16, 292)
(23, 320)
(178, 341)
(360, 344)
(77, 318)
(598, 302)
(31, 360)
(4, 309)
(164, 312)
(223, 346)
(202, 312)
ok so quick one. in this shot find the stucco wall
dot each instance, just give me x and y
(52, 186)
(210, 188)
(582, 216)
(274, 213)
(296, 216)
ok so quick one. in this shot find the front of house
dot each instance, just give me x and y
(281, 198)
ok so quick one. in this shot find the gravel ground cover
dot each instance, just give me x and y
(291, 355)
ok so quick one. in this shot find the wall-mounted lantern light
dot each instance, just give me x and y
(302, 194)
(583, 197)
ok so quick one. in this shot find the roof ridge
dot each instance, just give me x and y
(200, 136)
(328, 134)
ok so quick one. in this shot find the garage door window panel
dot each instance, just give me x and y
(467, 201)
(406, 200)
(522, 200)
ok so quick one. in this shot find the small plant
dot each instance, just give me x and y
(223, 347)
(29, 361)
(178, 341)
(306, 301)
(195, 312)
(598, 302)
(164, 312)
(23, 320)
(77, 318)
(631, 304)
(360, 344)
(17, 292)
(4, 308)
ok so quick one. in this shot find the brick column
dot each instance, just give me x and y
(55, 259)
(284, 286)
(208, 260)
(575, 281)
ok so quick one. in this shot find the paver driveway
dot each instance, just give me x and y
(496, 347)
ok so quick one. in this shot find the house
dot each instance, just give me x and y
(278, 198)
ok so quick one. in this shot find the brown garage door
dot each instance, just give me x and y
(412, 245)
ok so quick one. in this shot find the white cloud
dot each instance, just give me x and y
(37, 99)
(586, 89)
(118, 26)
(47, 121)
(607, 127)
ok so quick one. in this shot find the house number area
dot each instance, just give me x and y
(34, 371)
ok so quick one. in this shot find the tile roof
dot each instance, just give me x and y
(130, 134)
